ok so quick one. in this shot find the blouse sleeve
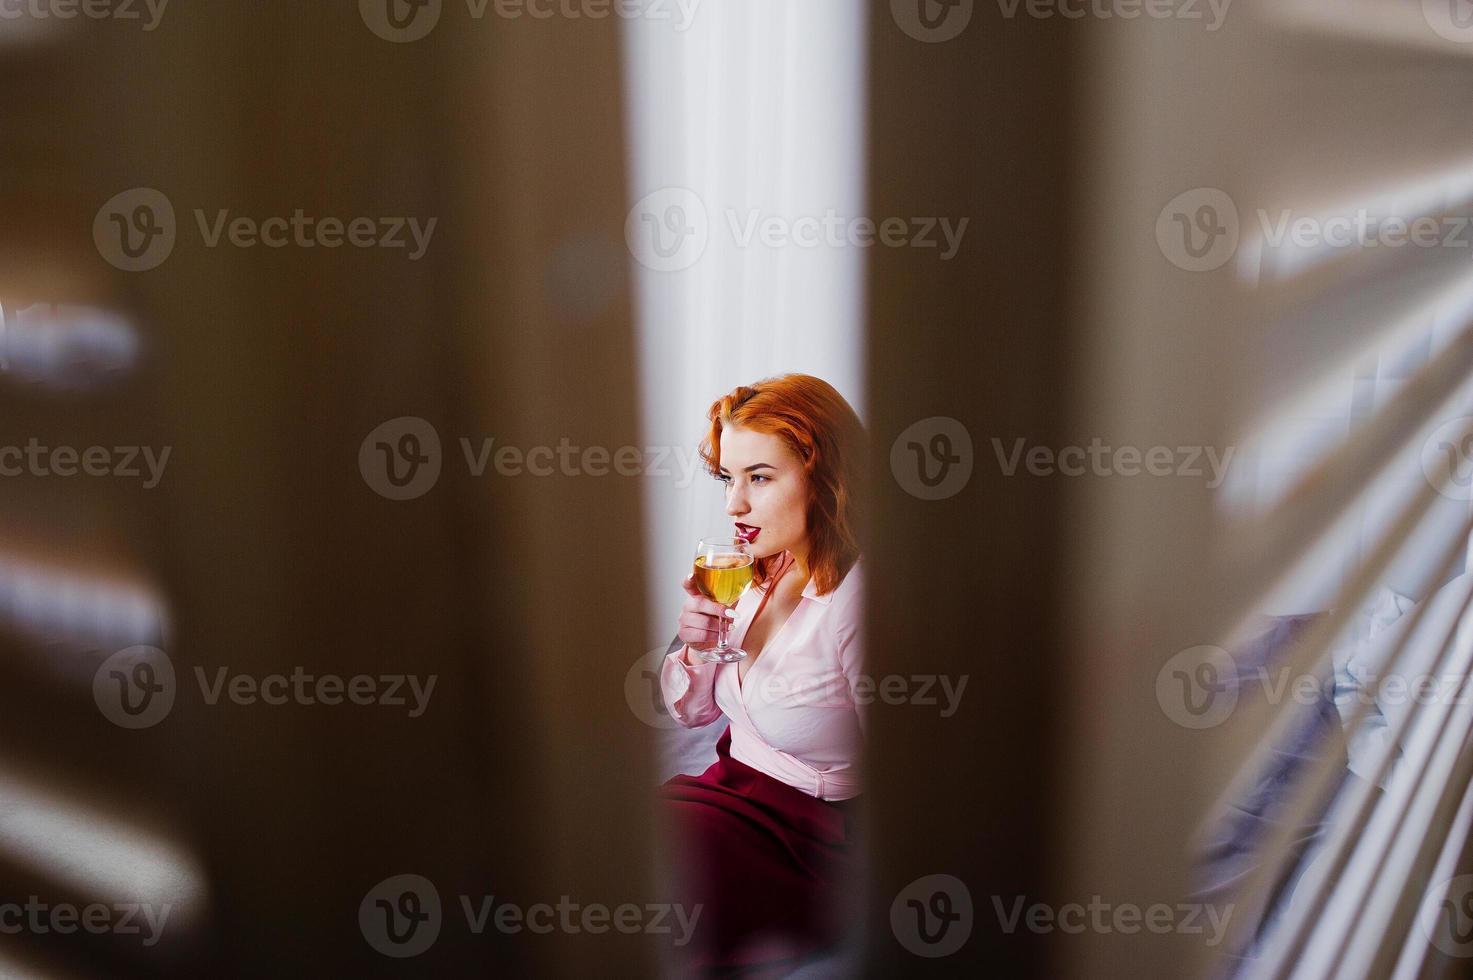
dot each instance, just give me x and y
(690, 692)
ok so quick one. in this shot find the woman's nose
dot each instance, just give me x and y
(736, 504)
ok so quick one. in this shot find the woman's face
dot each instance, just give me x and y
(765, 490)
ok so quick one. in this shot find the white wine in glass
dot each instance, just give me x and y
(723, 572)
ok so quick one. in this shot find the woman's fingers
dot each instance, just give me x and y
(696, 637)
(697, 626)
(697, 621)
(704, 606)
(698, 615)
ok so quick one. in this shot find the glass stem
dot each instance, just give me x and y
(721, 628)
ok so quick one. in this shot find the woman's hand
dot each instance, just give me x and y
(698, 619)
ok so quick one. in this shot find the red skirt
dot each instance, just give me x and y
(773, 868)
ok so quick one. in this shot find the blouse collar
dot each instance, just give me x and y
(810, 591)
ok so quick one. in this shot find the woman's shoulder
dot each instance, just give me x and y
(849, 593)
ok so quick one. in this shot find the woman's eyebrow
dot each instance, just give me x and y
(754, 466)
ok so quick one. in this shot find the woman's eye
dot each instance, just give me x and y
(758, 476)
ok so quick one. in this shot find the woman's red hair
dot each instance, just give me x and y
(822, 429)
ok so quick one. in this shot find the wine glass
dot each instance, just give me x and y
(723, 571)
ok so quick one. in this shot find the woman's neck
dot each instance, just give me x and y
(798, 575)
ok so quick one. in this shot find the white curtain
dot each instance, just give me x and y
(748, 114)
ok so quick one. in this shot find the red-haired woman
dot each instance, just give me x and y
(766, 833)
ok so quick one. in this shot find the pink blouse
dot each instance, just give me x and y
(794, 716)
